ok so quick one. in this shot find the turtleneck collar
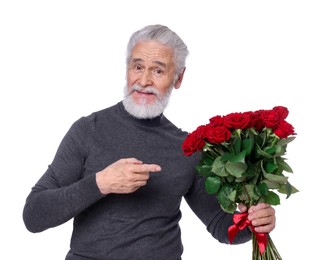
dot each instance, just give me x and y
(151, 122)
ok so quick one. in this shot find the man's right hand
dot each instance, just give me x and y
(124, 176)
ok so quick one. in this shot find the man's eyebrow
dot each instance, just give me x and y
(162, 64)
(137, 60)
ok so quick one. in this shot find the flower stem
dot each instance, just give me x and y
(270, 253)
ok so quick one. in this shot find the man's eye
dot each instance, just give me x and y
(137, 67)
(158, 72)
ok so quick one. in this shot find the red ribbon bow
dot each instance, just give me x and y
(240, 222)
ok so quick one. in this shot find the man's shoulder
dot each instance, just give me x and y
(103, 112)
(96, 118)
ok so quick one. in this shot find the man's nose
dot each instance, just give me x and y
(146, 79)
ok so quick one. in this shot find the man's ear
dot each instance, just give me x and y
(180, 78)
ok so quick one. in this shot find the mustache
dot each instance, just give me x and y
(148, 89)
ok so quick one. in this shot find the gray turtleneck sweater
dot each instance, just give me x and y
(141, 225)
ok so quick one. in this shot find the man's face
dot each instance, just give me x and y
(150, 79)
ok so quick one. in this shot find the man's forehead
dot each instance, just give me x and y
(152, 51)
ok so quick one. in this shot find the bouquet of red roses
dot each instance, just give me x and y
(242, 162)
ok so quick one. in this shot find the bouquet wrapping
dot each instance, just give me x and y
(243, 162)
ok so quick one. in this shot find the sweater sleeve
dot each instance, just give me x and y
(62, 192)
(208, 210)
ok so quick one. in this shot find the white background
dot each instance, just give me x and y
(60, 60)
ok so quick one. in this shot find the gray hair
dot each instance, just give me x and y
(166, 37)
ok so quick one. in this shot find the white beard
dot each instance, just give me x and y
(144, 110)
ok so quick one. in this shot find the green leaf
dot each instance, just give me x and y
(239, 179)
(230, 208)
(236, 168)
(261, 189)
(226, 156)
(272, 198)
(230, 178)
(271, 184)
(270, 167)
(256, 191)
(247, 145)
(221, 172)
(287, 189)
(227, 204)
(259, 140)
(232, 196)
(285, 141)
(252, 170)
(212, 184)
(276, 178)
(280, 150)
(270, 150)
(240, 157)
(237, 145)
(283, 166)
(219, 168)
(262, 153)
(249, 189)
(204, 170)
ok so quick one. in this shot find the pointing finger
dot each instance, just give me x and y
(147, 168)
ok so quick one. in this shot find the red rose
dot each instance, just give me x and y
(216, 121)
(256, 120)
(270, 118)
(217, 134)
(284, 129)
(194, 141)
(281, 111)
(237, 120)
